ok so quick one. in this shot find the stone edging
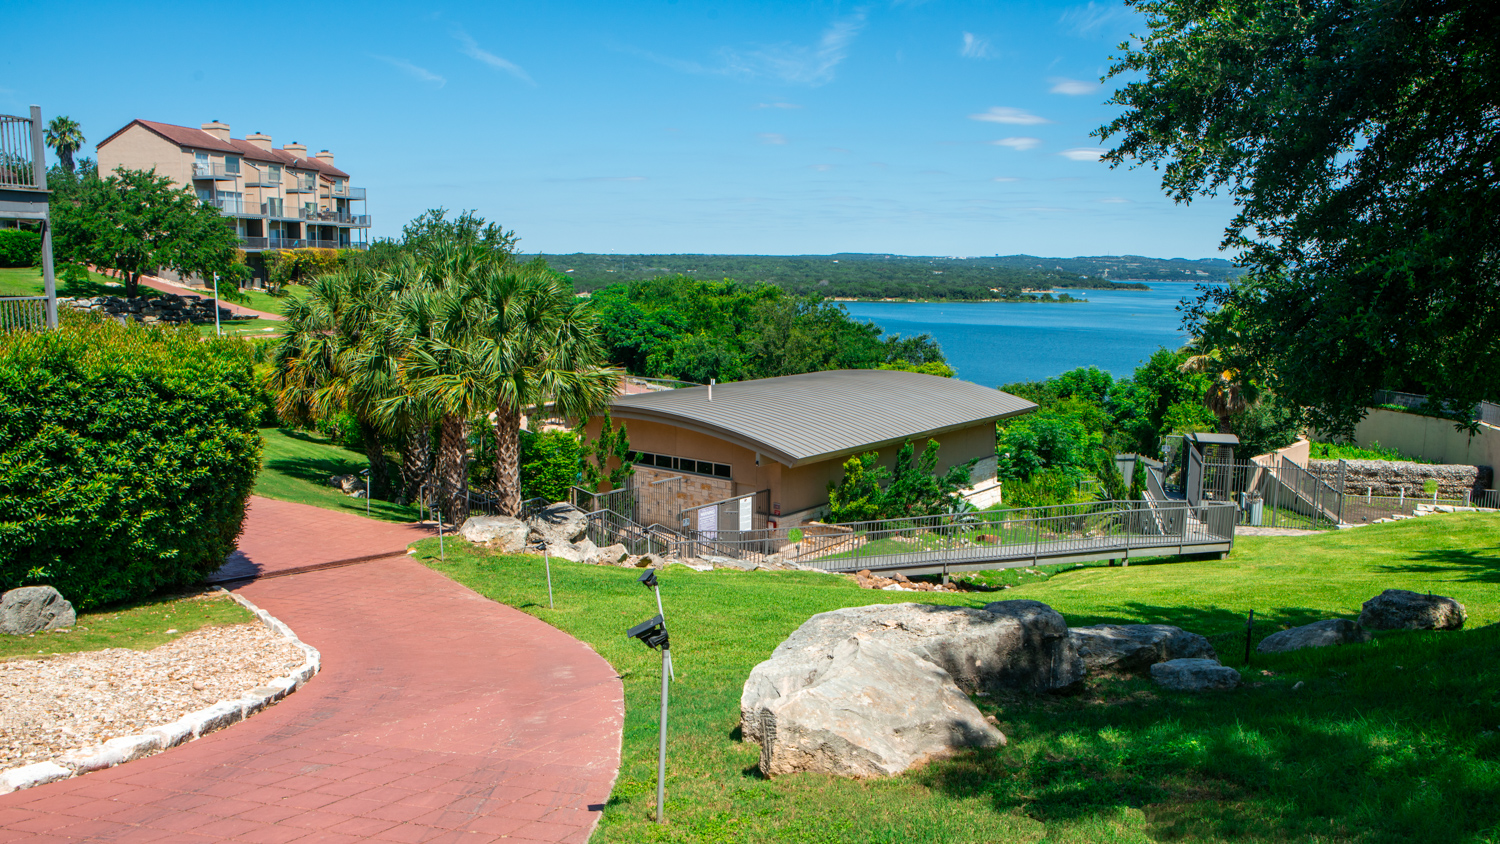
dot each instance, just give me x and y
(191, 726)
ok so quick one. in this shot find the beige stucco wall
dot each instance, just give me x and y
(1429, 438)
(138, 148)
(798, 490)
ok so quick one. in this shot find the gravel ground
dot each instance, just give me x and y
(50, 706)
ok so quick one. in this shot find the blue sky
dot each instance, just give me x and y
(928, 128)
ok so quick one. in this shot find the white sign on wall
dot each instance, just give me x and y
(745, 521)
(708, 521)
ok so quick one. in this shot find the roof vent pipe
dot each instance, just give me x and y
(710, 389)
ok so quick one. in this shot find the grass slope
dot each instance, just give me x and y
(1392, 741)
(140, 626)
(28, 281)
(295, 466)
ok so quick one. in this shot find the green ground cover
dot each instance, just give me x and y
(296, 465)
(28, 281)
(1349, 451)
(1398, 740)
(242, 328)
(140, 626)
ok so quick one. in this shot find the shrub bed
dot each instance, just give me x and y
(20, 248)
(127, 454)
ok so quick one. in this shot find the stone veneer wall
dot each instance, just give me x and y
(1389, 477)
(661, 502)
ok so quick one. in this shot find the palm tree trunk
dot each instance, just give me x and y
(375, 453)
(416, 459)
(452, 469)
(507, 427)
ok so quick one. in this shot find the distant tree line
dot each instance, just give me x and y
(840, 276)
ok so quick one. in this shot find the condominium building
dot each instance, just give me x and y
(277, 198)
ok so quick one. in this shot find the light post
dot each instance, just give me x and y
(653, 634)
(218, 331)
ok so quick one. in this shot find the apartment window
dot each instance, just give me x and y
(683, 464)
(232, 165)
(273, 204)
(200, 158)
(205, 195)
(275, 173)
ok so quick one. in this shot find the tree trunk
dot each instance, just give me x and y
(508, 461)
(416, 460)
(375, 453)
(132, 284)
(453, 469)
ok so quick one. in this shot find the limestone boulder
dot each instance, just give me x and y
(874, 711)
(559, 523)
(588, 552)
(1008, 645)
(347, 484)
(34, 609)
(1194, 675)
(565, 551)
(503, 533)
(613, 555)
(1319, 634)
(1398, 609)
(1129, 648)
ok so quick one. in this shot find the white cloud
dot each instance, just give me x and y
(1082, 154)
(1006, 114)
(975, 47)
(772, 138)
(1095, 19)
(1005, 179)
(1115, 200)
(777, 105)
(603, 179)
(1017, 143)
(822, 168)
(799, 64)
(1072, 87)
(474, 51)
(412, 70)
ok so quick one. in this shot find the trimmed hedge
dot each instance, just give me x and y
(127, 454)
(20, 248)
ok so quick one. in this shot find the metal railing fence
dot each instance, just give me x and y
(18, 152)
(1487, 412)
(606, 527)
(23, 313)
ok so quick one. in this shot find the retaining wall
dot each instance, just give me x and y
(1388, 477)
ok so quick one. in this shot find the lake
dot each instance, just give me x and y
(994, 343)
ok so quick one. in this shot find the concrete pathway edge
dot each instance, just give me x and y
(189, 727)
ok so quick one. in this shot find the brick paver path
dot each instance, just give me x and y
(439, 716)
(280, 536)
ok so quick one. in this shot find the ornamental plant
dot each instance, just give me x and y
(127, 454)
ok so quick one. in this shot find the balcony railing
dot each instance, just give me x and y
(297, 243)
(338, 218)
(235, 207)
(213, 170)
(346, 192)
(20, 150)
(301, 184)
(263, 178)
(280, 212)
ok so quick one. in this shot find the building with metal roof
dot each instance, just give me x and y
(784, 439)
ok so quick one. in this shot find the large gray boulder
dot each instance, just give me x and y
(1008, 645)
(1398, 609)
(1127, 648)
(1194, 675)
(559, 524)
(876, 710)
(1319, 634)
(503, 533)
(33, 609)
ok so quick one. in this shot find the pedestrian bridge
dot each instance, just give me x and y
(954, 542)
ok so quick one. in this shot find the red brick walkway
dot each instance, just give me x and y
(280, 536)
(439, 716)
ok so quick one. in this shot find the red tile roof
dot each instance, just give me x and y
(180, 135)
(198, 139)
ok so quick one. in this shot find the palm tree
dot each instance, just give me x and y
(65, 137)
(1228, 395)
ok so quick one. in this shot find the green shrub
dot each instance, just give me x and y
(550, 463)
(127, 454)
(20, 248)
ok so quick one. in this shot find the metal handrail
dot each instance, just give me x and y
(18, 153)
(23, 313)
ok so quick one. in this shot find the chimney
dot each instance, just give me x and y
(326, 157)
(299, 150)
(217, 129)
(262, 141)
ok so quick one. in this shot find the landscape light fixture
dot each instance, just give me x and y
(653, 634)
(648, 580)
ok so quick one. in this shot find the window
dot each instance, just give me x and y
(273, 174)
(232, 165)
(683, 464)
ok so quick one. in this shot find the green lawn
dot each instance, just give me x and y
(296, 465)
(1349, 451)
(243, 328)
(1394, 741)
(28, 281)
(140, 626)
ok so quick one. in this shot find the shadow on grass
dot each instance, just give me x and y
(1481, 566)
(1384, 742)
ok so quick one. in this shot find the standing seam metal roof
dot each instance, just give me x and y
(799, 419)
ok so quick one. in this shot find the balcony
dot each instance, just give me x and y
(235, 207)
(297, 183)
(279, 211)
(345, 192)
(337, 218)
(213, 170)
(258, 243)
(263, 178)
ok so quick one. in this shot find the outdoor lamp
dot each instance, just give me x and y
(653, 634)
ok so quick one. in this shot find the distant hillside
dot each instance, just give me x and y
(1132, 267)
(854, 276)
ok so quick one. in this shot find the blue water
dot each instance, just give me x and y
(994, 343)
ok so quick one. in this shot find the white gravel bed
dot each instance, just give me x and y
(49, 706)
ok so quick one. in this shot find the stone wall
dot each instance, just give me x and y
(661, 502)
(1389, 477)
(166, 308)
